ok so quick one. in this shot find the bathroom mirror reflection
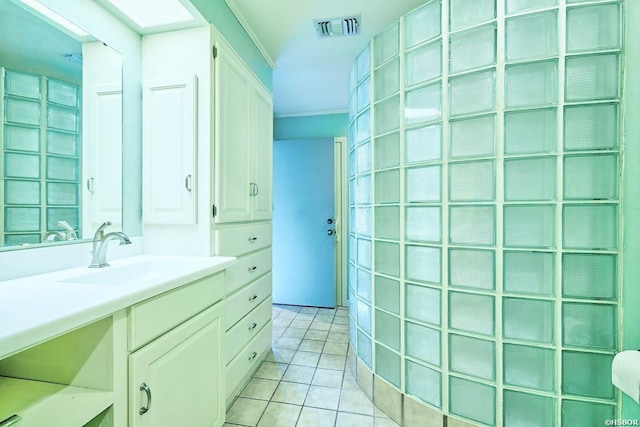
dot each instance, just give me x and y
(60, 129)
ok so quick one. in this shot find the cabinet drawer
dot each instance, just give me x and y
(247, 269)
(238, 336)
(243, 240)
(246, 299)
(153, 317)
(247, 360)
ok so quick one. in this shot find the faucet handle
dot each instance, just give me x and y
(100, 231)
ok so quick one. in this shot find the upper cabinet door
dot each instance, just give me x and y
(262, 137)
(169, 144)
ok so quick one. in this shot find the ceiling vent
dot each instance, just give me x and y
(345, 26)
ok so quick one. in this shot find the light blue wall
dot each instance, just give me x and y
(218, 13)
(319, 126)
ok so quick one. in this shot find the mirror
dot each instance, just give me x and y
(60, 131)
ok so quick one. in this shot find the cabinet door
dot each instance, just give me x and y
(262, 138)
(232, 149)
(178, 378)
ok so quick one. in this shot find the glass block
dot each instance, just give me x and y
(388, 329)
(530, 367)
(471, 269)
(529, 132)
(387, 151)
(591, 177)
(364, 253)
(471, 313)
(62, 118)
(523, 5)
(532, 36)
(364, 284)
(387, 224)
(387, 294)
(363, 63)
(363, 126)
(21, 138)
(362, 95)
(423, 104)
(351, 275)
(530, 179)
(63, 93)
(352, 248)
(423, 184)
(387, 80)
(59, 193)
(21, 84)
(352, 79)
(472, 400)
(70, 215)
(590, 226)
(21, 165)
(532, 84)
(423, 383)
(589, 276)
(473, 181)
(388, 258)
(589, 325)
(353, 334)
(528, 320)
(423, 23)
(21, 192)
(423, 264)
(352, 108)
(472, 49)
(387, 115)
(422, 304)
(386, 44)
(424, 63)
(472, 137)
(363, 190)
(591, 127)
(472, 225)
(63, 168)
(364, 316)
(21, 239)
(575, 413)
(352, 136)
(529, 226)
(593, 27)
(387, 187)
(423, 144)
(592, 77)
(365, 350)
(423, 224)
(21, 219)
(587, 374)
(472, 356)
(522, 409)
(472, 93)
(61, 143)
(422, 343)
(363, 158)
(388, 365)
(464, 13)
(21, 111)
(529, 273)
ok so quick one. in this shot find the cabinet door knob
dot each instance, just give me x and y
(252, 269)
(253, 326)
(253, 355)
(144, 387)
(10, 421)
(253, 298)
(252, 239)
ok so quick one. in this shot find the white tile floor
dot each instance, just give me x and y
(303, 382)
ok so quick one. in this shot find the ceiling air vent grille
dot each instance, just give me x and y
(346, 26)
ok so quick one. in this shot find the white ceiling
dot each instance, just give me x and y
(311, 74)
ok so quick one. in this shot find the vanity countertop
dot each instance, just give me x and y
(37, 308)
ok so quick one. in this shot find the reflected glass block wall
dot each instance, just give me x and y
(484, 208)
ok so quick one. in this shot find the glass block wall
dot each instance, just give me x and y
(484, 208)
(40, 153)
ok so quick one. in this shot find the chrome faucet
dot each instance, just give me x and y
(101, 244)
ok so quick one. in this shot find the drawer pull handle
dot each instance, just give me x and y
(253, 326)
(252, 239)
(144, 387)
(252, 269)
(10, 421)
(253, 355)
(253, 298)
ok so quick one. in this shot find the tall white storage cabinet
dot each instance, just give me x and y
(207, 139)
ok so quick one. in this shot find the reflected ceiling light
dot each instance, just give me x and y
(43, 10)
(153, 13)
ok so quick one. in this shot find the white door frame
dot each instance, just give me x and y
(341, 217)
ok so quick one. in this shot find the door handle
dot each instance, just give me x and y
(187, 182)
(252, 269)
(144, 387)
(253, 326)
(253, 298)
(13, 419)
(330, 232)
(252, 239)
(253, 355)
